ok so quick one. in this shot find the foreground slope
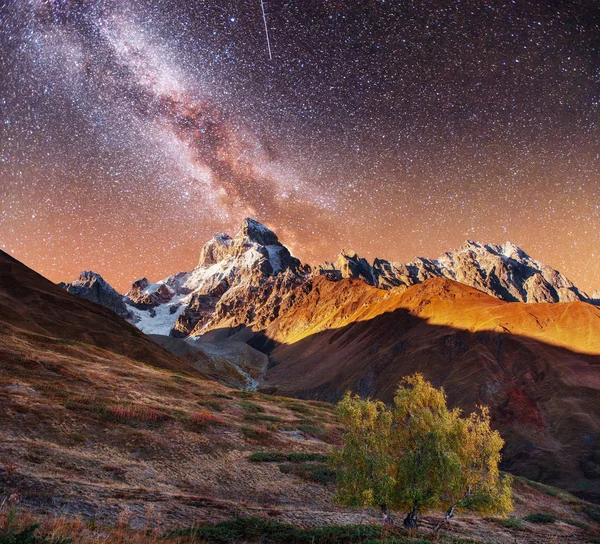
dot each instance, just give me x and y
(114, 442)
(29, 302)
(536, 365)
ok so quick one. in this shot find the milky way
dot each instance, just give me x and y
(133, 131)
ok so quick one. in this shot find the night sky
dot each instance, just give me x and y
(133, 131)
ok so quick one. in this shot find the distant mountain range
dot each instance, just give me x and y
(244, 281)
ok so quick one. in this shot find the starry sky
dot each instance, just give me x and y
(132, 131)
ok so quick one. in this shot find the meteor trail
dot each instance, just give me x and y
(262, 6)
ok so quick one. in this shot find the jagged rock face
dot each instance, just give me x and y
(93, 287)
(506, 272)
(144, 294)
(239, 280)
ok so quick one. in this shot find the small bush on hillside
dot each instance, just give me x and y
(262, 417)
(216, 406)
(251, 407)
(268, 457)
(301, 457)
(119, 413)
(540, 517)
(243, 394)
(134, 413)
(319, 473)
(508, 523)
(255, 433)
(295, 457)
(222, 396)
(300, 408)
(314, 430)
(202, 420)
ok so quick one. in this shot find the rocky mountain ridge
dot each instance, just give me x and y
(95, 288)
(245, 281)
(504, 271)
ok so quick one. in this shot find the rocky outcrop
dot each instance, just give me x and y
(93, 287)
(506, 272)
(144, 294)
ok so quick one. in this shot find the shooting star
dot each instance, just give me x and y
(262, 6)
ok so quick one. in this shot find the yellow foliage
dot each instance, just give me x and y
(418, 454)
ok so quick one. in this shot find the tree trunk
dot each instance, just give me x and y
(411, 520)
(384, 514)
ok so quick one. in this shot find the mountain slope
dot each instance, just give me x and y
(536, 365)
(29, 302)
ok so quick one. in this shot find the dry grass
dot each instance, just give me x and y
(104, 445)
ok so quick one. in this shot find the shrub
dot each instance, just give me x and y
(270, 532)
(313, 430)
(508, 523)
(222, 396)
(203, 420)
(119, 413)
(295, 457)
(133, 413)
(251, 407)
(261, 417)
(300, 408)
(314, 472)
(255, 433)
(216, 406)
(540, 517)
(244, 394)
(300, 457)
(267, 457)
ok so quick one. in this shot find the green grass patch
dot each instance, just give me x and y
(299, 408)
(280, 457)
(540, 517)
(507, 523)
(262, 417)
(216, 406)
(576, 523)
(264, 531)
(270, 532)
(268, 457)
(222, 396)
(549, 490)
(314, 430)
(255, 433)
(319, 473)
(251, 407)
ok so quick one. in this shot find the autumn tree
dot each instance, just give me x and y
(418, 455)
